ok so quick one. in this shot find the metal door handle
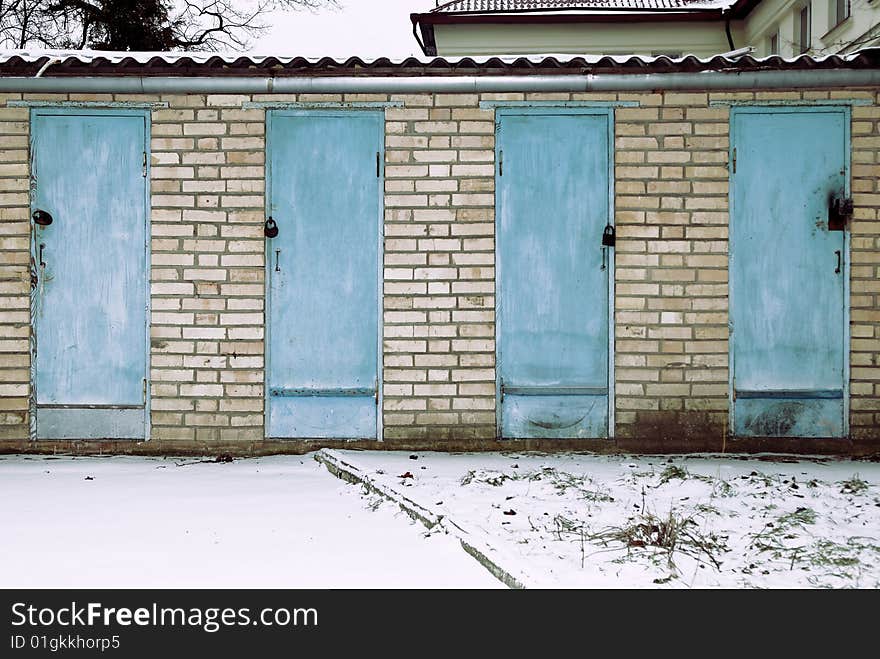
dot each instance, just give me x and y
(837, 269)
(42, 262)
(277, 255)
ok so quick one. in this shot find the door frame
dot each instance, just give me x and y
(846, 112)
(555, 110)
(329, 111)
(90, 111)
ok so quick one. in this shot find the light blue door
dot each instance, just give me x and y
(323, 274)
(89, 175)
(788, 272)
(553, 279)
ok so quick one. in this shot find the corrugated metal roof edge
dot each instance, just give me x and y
(56, 63)
(575, 8)
(737, 7)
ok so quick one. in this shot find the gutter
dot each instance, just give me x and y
(49, 62)
(416, 35)
(728, 17)
(598, 82)
(427, 42)
(531, 17)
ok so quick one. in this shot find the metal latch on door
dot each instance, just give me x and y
(609, 238)
(840, 212)
(271, 230)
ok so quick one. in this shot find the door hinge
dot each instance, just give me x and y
(377, 164)
(734, 160)
(144, 390)
(144, 166)
(501, 162)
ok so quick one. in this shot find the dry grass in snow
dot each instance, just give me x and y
(621, 521)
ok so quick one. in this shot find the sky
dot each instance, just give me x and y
(368, 28)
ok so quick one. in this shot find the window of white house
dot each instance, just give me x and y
(840, 10)
(804, 35)
(773, 44)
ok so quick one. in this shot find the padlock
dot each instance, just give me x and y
(608, 236)
(42, 218)
(840, 212)
(271, 229)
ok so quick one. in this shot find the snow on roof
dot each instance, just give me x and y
(86, 56)
(533, 6)
(42, 55)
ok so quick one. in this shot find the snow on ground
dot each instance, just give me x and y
(570, 520)
(274, 522)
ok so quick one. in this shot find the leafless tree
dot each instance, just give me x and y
(209, 25)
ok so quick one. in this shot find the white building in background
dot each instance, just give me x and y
(817, 27)
(648, 27)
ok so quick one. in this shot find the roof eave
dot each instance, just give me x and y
(614, 15)
(156, 64)
(427, 43)
(424, 23)
(742, 8)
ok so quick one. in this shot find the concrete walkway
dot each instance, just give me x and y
(274, 522)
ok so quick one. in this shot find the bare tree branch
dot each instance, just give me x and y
(141, 24)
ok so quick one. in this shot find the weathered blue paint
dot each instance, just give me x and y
(335, 392)
(90, 365)
(97, 423)
(552, 205)
(791, 394)
(323, 273)
(789, 316)
(788, 417)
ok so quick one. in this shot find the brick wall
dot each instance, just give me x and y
(207, 279)
(671, 212)
(207, 299)
(865, 275)
(439, 269)
(14, 271)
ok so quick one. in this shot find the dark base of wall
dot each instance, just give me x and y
(831, 447)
